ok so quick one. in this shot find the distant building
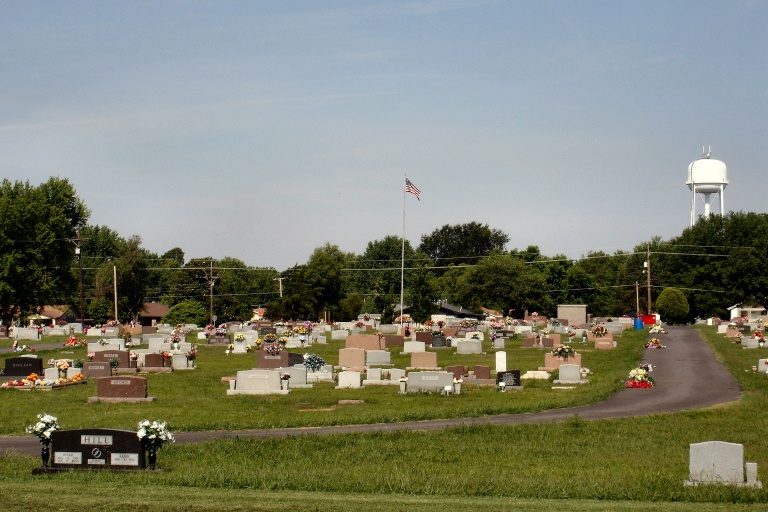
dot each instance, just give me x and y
(152, 312)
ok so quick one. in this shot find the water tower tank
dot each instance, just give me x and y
(706, 176)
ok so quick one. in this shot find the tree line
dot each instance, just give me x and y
(715, 264)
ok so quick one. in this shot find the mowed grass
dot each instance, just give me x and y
(627, 464)
(196, 400)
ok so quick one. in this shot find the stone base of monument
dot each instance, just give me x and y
(118, 400)
(155, 369)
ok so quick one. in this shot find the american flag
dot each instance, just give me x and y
(411, 188)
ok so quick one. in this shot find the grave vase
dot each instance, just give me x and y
(152, 458)
(45, 455)
(457, 388)
(402, 386)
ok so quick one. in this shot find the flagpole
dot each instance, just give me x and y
(402, 262)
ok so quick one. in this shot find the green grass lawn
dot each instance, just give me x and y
(627, 464)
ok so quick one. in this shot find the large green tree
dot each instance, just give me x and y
(502, 283)
(130, 269)
(462, 243)
(37, 225)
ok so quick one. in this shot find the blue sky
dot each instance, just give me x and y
(262, 130)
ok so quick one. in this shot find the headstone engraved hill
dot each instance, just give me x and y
(96, 448)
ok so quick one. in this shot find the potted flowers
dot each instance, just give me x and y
(153, 435)
(563, 351)
(313, 362)
(44, 428)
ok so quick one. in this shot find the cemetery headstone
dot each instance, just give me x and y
(351, 358)
(569, 374)
(456, 370)
(511, 378)
(718, 462)
(423, 360)
(96, 448)
(482, 372)
(349, 379)
(429, 381)
(257, 382)
(22, 366)
(501, 361)
(122, 388)
(95, 370)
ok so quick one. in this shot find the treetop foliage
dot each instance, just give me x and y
(712, 265)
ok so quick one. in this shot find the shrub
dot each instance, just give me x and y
(672, 306)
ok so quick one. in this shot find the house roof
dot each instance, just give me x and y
(458, 311)
(154, 310)
(52, 312)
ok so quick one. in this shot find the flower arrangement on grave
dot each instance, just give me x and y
(78, 377)
(220, 331)
(475, 336)
(403, 378)
(283, 340)
(366, 317)
(467, 323)
(273, 349)
(152, 436)
(62, 365)
(285, 376)
(248, 348)
(306, 328)
(102, 342)
(192, 354)
(655, 343)
(114, 363)
(269, 338)
(134, 356)
(230, 347)
(458, 381)
(313, 362)
(640, 378)
(359, 324)
(74, 341)
(166, 355)
(91, 355)
(440, 324)
(737, 339)
(78, 363)
(406, 331)
(657, 329)
(563, 351)
(239, 337)
(758, 335)
(599, 331)
(495, 324)
(44, 428)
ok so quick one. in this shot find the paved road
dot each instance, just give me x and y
(687, 377)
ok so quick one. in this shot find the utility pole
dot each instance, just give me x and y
(77, 242)
(211, 280)
(280, 282)
(648, 268)
(637, 298)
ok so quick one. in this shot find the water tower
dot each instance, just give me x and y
(706, 176)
